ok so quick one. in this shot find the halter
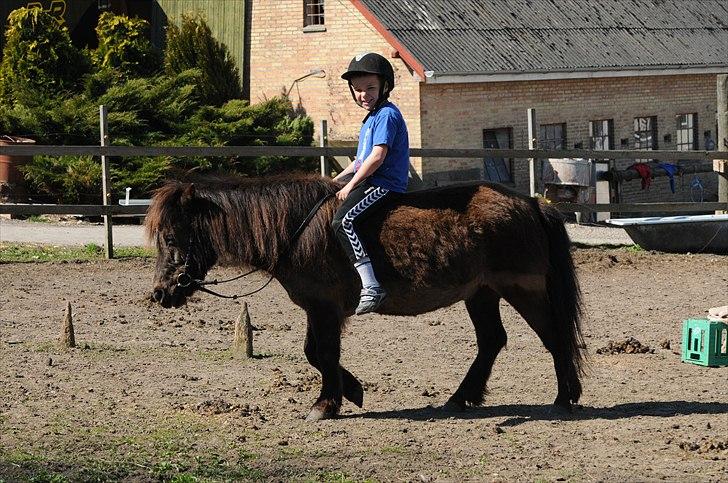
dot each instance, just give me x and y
(184, 279)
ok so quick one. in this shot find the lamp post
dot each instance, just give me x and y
(317, 73)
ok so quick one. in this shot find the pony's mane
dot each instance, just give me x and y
(249, 219)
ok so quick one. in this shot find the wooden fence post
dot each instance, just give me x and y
(532, 144)
(323, 142)
(68, 338)
(243, 335)
(721, 165)
(106, 184)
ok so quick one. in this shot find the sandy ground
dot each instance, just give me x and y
(151, 393)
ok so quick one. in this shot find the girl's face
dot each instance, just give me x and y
(366, 90)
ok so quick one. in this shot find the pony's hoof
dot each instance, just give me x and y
(561, 409)
(321, 411)
(316, 414)
(453, 406)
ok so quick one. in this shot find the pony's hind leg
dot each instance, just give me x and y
(484, 311)
(323, 350)
(535, 308)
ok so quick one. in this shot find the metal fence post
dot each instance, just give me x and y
(323, 142)
(532, 144)
(106, 184)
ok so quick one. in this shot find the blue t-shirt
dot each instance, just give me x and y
(386, 126)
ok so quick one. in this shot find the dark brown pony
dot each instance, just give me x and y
(478, 243)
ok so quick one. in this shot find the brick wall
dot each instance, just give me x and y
(455, 115)
(281, 51)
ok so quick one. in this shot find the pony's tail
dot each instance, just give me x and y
(564, 296)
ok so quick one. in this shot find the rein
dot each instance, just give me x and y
(184, 280)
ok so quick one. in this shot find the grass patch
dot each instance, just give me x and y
(634, 249)
(169, 459)
(38, 219)
(393, 450)
(335, 477)
(24, 253)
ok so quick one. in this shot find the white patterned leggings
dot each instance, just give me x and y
(361, 202)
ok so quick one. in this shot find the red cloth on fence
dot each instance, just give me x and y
(645, 173)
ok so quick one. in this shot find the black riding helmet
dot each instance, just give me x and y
(371, 63)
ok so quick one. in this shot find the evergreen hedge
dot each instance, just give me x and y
(192, 46)
(38, 58)
(125, 47)
(198, 106)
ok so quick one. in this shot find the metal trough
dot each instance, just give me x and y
(678, 234)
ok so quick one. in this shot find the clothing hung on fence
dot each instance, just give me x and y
(671, 170)
(645, 172)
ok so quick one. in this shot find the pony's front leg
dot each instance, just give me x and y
(323, 349)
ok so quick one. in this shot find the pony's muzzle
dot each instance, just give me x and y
(158, 295)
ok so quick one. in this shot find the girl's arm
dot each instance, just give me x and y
(368, 167)
(348, 170)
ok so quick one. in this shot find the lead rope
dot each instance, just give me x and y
(201, 283)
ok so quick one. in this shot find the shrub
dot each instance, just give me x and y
(198, 106)
(68, 179)
(53, 120)
(38, 58)
(124, 46)
(270, 123)
(192, 46)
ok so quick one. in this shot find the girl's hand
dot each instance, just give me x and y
(343, 193)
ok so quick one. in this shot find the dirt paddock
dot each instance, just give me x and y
(152, 394)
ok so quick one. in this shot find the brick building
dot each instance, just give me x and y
(617, 74)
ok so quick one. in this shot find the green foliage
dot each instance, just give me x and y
(53, 120)
(124, 46)
(192, 46)
(73, 179)
(150, 109)
(195, 102)
(236, 123)
(25, 253)
(92, 249)
(38, 58)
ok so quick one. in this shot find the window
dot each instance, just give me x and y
(601, 134)
(552, 136)
(687, 132)
(645, 133)
(498, 169)
(313, 13)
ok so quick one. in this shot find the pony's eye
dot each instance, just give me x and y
(169, 240)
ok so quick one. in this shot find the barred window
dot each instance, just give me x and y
(498, 169)
(552, 136)
(601, 134)
(687, 132)
(313, 12)
(645, 133)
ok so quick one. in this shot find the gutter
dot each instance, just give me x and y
(432, 77)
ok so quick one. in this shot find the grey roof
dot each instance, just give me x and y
(512, 36)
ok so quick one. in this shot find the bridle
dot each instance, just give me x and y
(185, 280)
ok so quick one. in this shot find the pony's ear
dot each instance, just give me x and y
(188, 194)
